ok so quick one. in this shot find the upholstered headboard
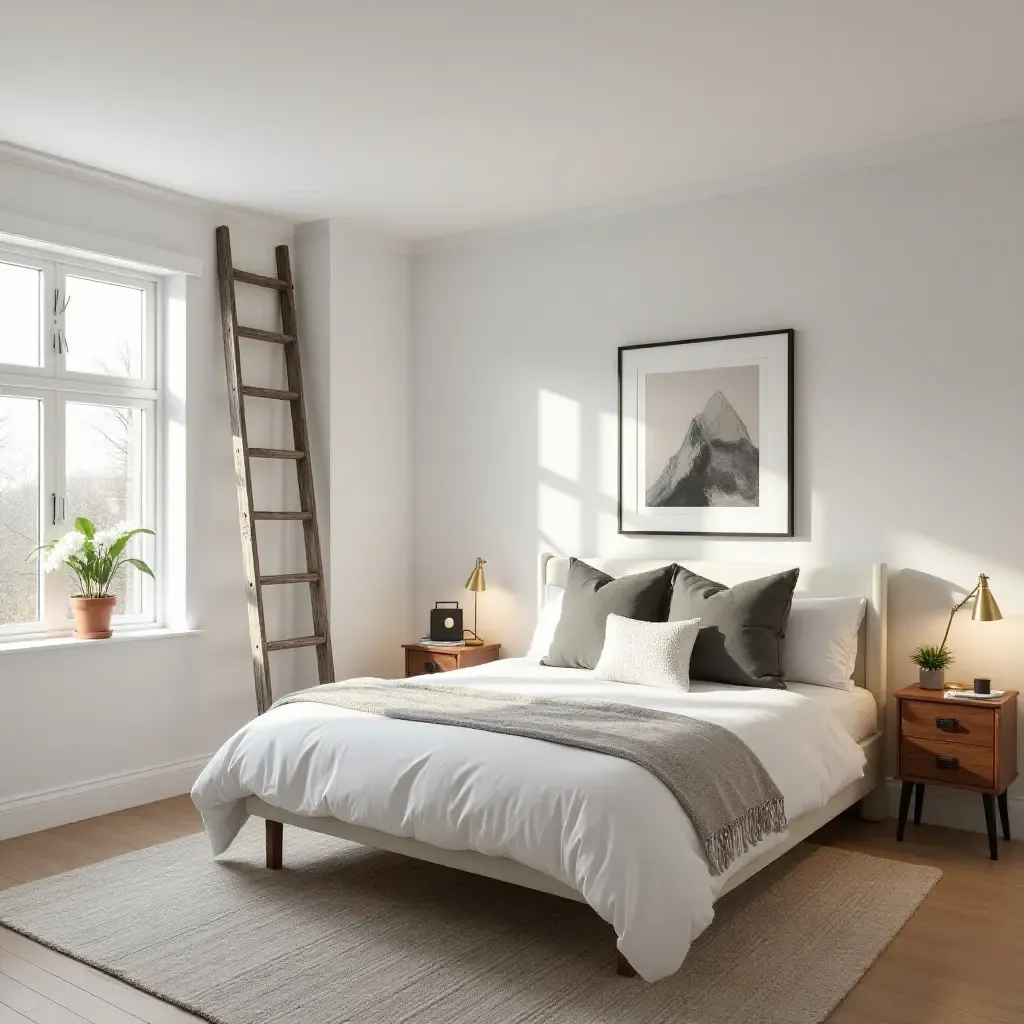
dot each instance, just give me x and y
(815, 581)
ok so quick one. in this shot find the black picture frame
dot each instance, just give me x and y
(789, 532)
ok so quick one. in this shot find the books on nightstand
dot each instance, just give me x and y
(971, 695)
(427, 642)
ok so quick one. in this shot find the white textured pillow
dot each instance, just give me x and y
(550, 613)
(821, 640)
(648, 653)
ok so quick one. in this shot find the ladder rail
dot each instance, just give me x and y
(243, 480)
(304, 467)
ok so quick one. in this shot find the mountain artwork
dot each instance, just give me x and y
(717, 465)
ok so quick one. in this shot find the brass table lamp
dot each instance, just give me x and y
(985, 610)
(476, 582)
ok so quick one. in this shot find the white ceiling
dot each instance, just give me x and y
(427, 117)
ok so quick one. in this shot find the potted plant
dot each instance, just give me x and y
(932, 662)
(94, 558)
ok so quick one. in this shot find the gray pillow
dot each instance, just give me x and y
(741, 627)
(590, 597)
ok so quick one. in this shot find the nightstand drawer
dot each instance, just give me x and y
(952, 762)
(949, 721)
(418, 663)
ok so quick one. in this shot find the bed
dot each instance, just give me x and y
(534, 816)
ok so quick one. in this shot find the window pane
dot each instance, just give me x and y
(104, 479)
(20, 305)
(19, 509)
(104, 326)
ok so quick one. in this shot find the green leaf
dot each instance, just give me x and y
(932, 656)
(42, 547)
(77, 565)
(84, 526)
(141, 566)
(119, 545)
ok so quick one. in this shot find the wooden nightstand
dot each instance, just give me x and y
(968, 745)
(422, 659)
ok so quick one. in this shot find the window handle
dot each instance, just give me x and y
(62, 508)
(64, 341)
(53, 516)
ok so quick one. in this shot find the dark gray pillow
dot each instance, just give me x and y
(590, 597)
(741, 627)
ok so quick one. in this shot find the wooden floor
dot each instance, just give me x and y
(959, 960)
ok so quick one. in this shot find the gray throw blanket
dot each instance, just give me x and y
(717, 779)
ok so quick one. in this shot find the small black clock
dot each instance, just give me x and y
(446, 623)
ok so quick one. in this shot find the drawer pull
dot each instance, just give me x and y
(430, 667)
(947, 724)
(947, 763)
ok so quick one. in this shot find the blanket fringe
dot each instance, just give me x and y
(748, 830)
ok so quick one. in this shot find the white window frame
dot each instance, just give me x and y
(54, 386)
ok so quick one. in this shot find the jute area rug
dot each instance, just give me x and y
(347, 935)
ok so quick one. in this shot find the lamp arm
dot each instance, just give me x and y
(956, 608)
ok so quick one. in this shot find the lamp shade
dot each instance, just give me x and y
(477, 581)
(985, 607)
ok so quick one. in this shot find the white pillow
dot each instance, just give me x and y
(648, 653)
(821, 640)
(550, 613)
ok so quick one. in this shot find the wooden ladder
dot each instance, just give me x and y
(229, 276)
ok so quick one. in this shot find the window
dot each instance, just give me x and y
(79, 419)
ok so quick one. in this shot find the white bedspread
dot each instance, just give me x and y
(599, 824)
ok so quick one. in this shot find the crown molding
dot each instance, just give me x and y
(807, 170)
(48, 163)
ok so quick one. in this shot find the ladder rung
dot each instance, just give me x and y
(275, 453)
(282, 515)
(296, 641)
(260, 335)
(290, 577)
(284, 396)
(263, 281)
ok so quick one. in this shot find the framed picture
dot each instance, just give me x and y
(706, 436)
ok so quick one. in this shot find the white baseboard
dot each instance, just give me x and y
(49, 808)
(956, 808)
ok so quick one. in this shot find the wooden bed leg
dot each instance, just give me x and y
(623, 968)
(275, 845)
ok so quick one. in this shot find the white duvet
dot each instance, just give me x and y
(599, 824)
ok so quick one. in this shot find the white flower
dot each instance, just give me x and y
(68, 545)
(51, 561)
(71, 543)
(115, 533)
(108, 537)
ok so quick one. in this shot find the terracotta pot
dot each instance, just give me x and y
(92, 617)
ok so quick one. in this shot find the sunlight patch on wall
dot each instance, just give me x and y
(608, 454)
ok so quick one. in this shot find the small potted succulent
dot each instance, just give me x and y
(932, 662)
(93, 558)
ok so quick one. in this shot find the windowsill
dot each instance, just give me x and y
(121, 636)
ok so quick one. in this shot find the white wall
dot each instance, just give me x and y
(84, 730)
(904, 285)
(355, 292)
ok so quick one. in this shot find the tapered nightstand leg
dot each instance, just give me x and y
(990, 823)
(908, 788)
(918, 802)
(1004, 815)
